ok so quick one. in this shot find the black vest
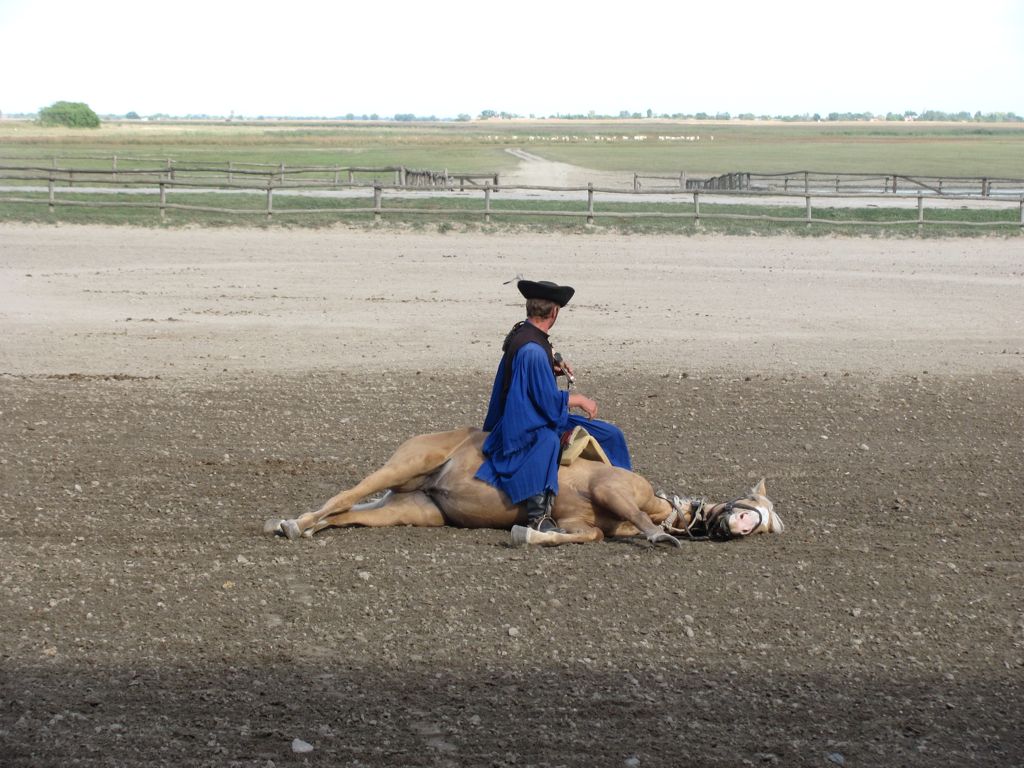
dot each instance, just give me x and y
(522, 333)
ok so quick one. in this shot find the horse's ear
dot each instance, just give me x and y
(758, 490)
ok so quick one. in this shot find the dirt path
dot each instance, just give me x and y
(163, 392)
(534, 170)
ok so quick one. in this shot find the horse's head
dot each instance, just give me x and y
(745, 516)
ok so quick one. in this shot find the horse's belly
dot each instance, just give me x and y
(478, 518)
(467, 502)
(480, 508)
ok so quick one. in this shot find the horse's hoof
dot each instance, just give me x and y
(290, 528)
(272, 527)
(664, 538)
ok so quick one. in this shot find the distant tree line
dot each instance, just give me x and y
(930, 115)
(490, 114)
(79, 115)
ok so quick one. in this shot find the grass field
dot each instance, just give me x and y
(467, 214)
(932, 149)
(911, 149)
(646, 146)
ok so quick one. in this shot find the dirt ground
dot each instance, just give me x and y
(162, 392)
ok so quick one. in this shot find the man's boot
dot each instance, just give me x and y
(538, 513)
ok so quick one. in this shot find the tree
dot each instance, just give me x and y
(73, 114)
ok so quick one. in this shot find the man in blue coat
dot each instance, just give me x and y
(528, 413)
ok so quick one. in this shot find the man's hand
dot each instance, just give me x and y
(584, 403)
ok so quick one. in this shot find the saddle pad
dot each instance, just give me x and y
(580, 444)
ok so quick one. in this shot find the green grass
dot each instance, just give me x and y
(478, 147)
(142, 145)
(446, 214)
(723, 148)
(923, 149)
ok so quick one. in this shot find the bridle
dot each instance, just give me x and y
(707, 521)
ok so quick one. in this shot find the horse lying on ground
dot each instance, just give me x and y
(430, 482)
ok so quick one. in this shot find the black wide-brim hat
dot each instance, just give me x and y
(544, 289)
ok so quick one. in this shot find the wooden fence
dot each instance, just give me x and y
(818, 182)
(115, 169)
(277, 183)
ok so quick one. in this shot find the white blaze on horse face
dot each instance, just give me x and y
(761, 519)
(743, 522)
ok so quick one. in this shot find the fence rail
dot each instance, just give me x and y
(281, 181)
(819, 181)
(120, 169)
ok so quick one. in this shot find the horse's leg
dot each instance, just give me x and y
(414, 459)
(619, 500)
(576, 532)
(415, 508)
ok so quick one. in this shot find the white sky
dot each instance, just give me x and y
(446, 57)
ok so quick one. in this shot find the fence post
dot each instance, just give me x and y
(920, 213)
(636, 181)
(376, 201)
(487, 203)
(1022, 213)
(696, 207)
(590, 204)
(894, 177)
(807, 204)
(163, 201)
(682, 179)
(52, 200)
(270, 197)
(282, 174)
(984, 187)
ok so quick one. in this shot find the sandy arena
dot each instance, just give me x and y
(162, 392)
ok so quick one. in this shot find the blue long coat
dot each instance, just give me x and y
(521, 452)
